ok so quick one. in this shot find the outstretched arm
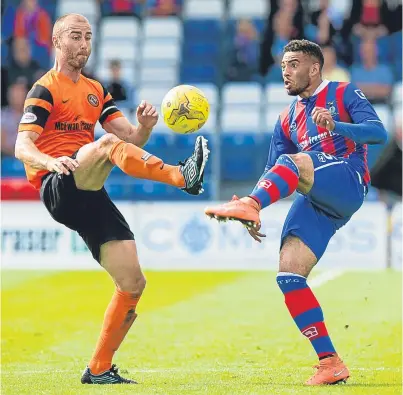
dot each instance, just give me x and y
(366, 128)
(147, 117)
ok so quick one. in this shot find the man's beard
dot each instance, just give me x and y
(297, 91)
(76, 62)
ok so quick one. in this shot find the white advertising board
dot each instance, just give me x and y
(178, 236)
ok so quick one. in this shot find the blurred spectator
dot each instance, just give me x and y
(164, 7)
(374, 79)
(120, 90)
(22, 67)
(367, 19)
(321, 27)
(11, 116)
(286, 20)
(121, 7)
(33, 22)
(4, 85)
(244, 57)
(387, 172)
(331, 71)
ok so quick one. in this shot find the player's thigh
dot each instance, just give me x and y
(94, 162)
(313, 228)
(337, 187)
(119, 258)
(296, 257)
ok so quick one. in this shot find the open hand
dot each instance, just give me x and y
(147, 115)
(62, 165)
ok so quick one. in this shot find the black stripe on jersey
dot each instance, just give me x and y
(105, 91)
(41, 113)
(40, 92)
(107, 104)
(106, 114)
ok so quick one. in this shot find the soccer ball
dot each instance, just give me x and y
(185, 109)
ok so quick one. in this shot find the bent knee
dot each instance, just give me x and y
(302, 161)
(106, 142)
(134, 285)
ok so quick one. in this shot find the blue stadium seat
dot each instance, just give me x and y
(140, 190)
(201, 29)
(243, 155)
(11, 167)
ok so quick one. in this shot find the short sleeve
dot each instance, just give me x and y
(37, 108)
(109, 109)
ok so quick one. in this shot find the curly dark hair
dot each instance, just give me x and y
(306, 47)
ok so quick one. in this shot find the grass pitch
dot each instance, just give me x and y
(198, 333)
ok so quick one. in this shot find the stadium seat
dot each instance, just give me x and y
(12, 167)
(242, 94)
(108, 50)
(159, 51)
(118, 27)
(88, 8)
(235, 120)
(276, 94)
(153, 94)
(201, 9)
(150, 74)
(271, 115)
(385, 115)
(243, 155)
(129, 72)
(249, 8)
(164, 28)
(397, 94)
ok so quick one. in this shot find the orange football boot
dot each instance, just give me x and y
(331, 370)
(236, 209)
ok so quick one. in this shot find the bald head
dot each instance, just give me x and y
(72, 39)
(66, 22)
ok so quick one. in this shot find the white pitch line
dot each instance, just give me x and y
(325, 277)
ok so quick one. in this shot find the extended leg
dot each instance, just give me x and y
(98, 158)
(119, 259)
(289, 173)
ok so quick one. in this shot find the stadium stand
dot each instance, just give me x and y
(157, 53)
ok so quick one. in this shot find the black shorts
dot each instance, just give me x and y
(91, 213)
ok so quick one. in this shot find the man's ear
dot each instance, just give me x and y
(314, 70)
(56, 42)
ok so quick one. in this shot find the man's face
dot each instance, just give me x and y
(21, 51)
(75, 42)
(296, 68)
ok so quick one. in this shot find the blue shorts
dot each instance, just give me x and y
(337, 193)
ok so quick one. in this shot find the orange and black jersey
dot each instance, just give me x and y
(64, 114)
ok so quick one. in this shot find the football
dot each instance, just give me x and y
(185, 109)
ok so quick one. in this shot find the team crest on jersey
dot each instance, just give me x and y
(332, 108)
(93, 100)
(293, 127)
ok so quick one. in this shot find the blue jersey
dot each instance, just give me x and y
(296, 132)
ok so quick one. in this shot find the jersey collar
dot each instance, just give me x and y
(320, 88)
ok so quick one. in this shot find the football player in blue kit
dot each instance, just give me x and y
(319, 149)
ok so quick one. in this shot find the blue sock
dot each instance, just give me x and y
(306, 312)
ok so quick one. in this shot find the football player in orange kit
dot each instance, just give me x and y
(62, 160)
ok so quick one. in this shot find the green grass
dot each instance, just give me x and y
(198, 333)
